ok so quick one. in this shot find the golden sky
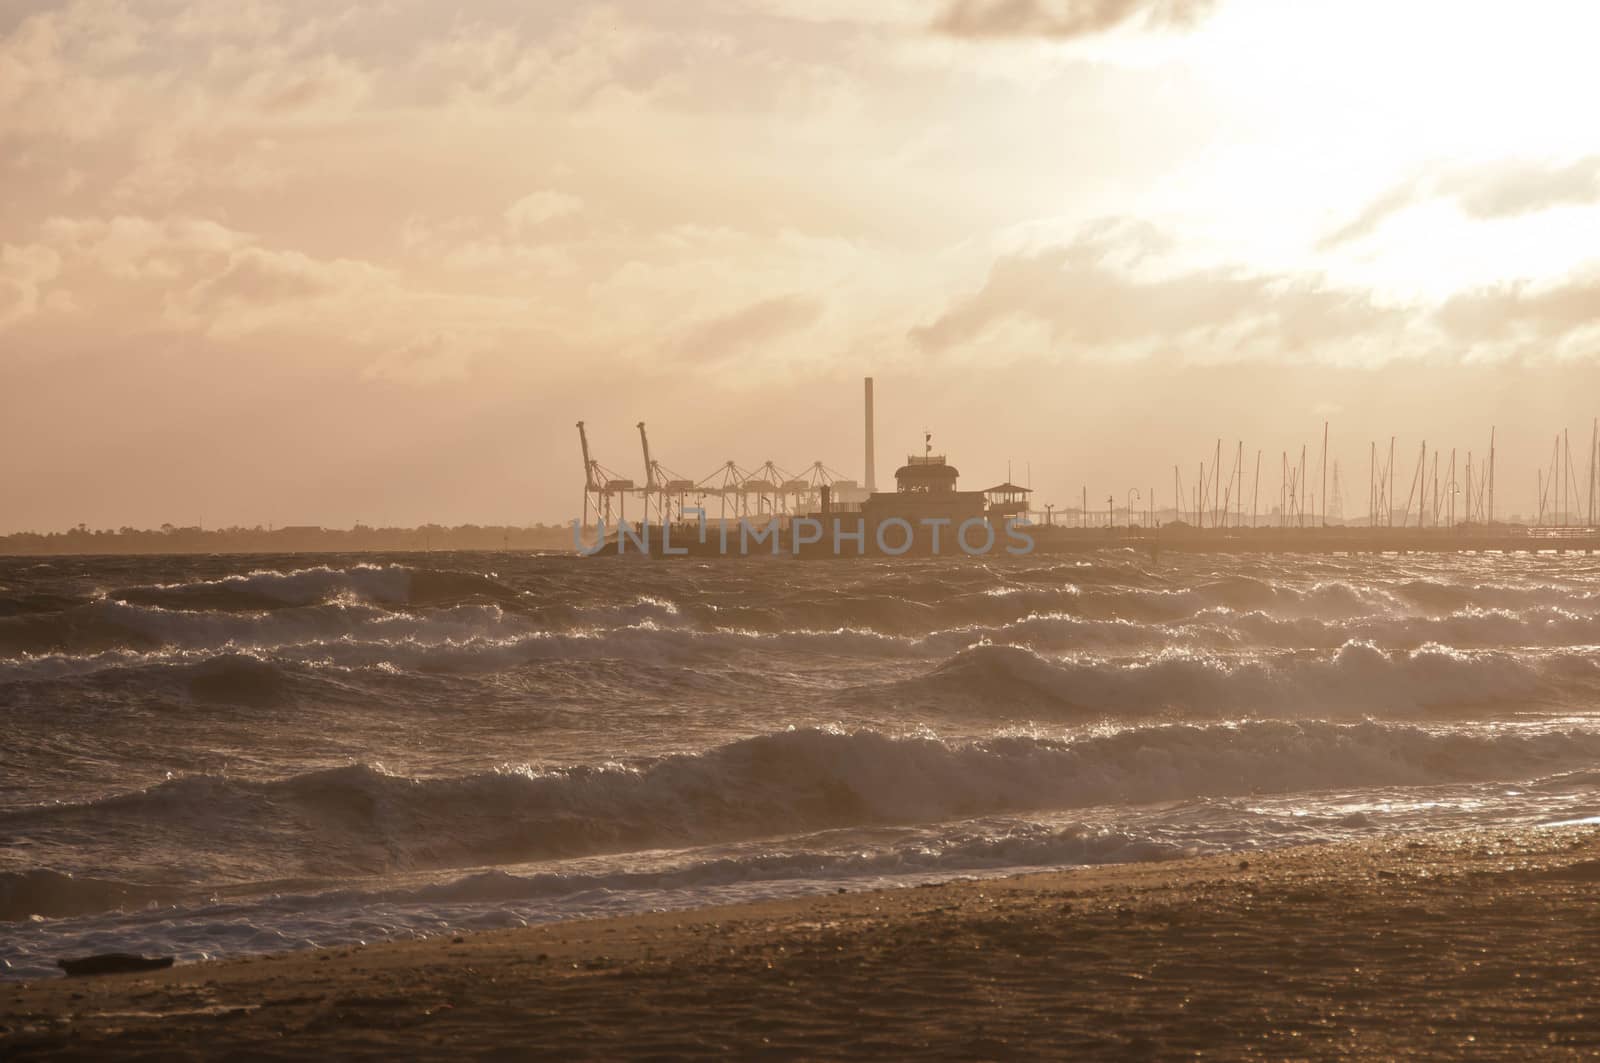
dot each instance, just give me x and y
(319, 261)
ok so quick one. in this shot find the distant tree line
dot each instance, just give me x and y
(172, 539)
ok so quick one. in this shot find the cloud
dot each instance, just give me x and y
(258, 288)
(747, 328)
(1512, 188)
(428, 361)
(1506, 190)
(133, 247)
(23, 273)
(255, 275)
(1064, 19)
(323, 87)
(46, 89)
(1116, 292)
(1522, 319)
(1373, 215)
(894, 13)
(537, 208)
(168, 281)
(1105, 294)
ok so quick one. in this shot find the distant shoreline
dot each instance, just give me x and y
(291, 539)
(1175, 537)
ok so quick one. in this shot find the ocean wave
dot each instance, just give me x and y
(1221, 662)
(431, 646)
(64, 914)
(1358, 677)
(54, 894)
(237, 679)
(110, 624)
(360, 819)
(1011, 601)
(1019, 845)
(1442, 595)
(1064, 606)
(1473, 626)
(13, 605)
(266, 589)
(480, 636)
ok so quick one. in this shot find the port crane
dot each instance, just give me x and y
(601, 485)
(668, 488)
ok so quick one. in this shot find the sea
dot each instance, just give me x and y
(222, 756)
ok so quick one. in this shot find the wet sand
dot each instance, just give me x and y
(1469, 945)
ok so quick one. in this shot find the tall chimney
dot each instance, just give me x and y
(872, 475)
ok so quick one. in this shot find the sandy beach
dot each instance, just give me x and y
(1467, 945)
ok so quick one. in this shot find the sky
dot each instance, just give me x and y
(321, 262)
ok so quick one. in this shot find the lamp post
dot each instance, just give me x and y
(1133, 493)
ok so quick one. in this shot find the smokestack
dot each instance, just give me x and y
(872, 475)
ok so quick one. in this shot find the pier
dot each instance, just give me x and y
(1445, 504)
(1329, 540)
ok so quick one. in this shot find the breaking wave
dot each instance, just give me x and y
(55, 895)
(361, 819)
(1358, 677)
(385, 584)
(700, 726)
